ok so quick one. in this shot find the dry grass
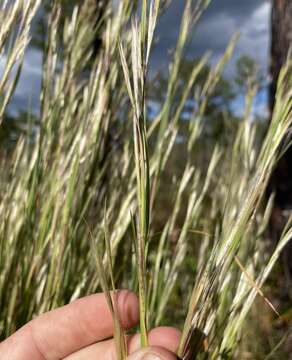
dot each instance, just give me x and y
(94, 145)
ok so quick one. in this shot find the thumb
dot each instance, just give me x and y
(152, 353)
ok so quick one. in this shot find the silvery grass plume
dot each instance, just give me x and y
(80, 153)
(216, 274)
(15, 25)
(49, 184)
(142, 37)
(109, 288)
(197, 197)
(190, 17)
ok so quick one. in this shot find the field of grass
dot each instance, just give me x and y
(84, 184)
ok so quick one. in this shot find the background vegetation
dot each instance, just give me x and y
(169, 199)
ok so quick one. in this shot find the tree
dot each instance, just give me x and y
(281, 181)
(281, 41)
(218, 106)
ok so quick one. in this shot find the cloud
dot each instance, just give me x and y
(255, 37)
(222, 19)
(238, 10)
(27, 92)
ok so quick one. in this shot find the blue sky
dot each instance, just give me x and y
(222, 19)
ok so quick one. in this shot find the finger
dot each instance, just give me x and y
(164, 337)
(61, 332)
(152, 353)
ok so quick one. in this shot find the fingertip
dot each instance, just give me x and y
(128, 305)
(152, 353)
(165, 337)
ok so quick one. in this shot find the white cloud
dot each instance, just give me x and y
(27, 92)
(216, 28)
(213, 32)
(256, 35)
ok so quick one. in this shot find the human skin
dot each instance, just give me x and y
(83, 330)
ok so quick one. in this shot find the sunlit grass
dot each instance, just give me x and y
(95, 146)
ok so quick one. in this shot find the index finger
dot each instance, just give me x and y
(63, 331)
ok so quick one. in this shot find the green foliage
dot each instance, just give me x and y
(200, 265)
(247, 72)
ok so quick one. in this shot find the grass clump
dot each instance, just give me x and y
(94, 144)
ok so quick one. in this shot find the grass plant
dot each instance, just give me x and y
(94, 143)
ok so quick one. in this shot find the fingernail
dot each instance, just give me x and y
(152, 353)
(145, 355)
(150, 356)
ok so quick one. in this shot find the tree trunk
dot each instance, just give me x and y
(280, 44)
(281, 181)
(281, 40)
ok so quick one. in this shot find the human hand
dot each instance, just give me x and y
(83, 329)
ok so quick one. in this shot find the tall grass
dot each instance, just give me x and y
(94, 145)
